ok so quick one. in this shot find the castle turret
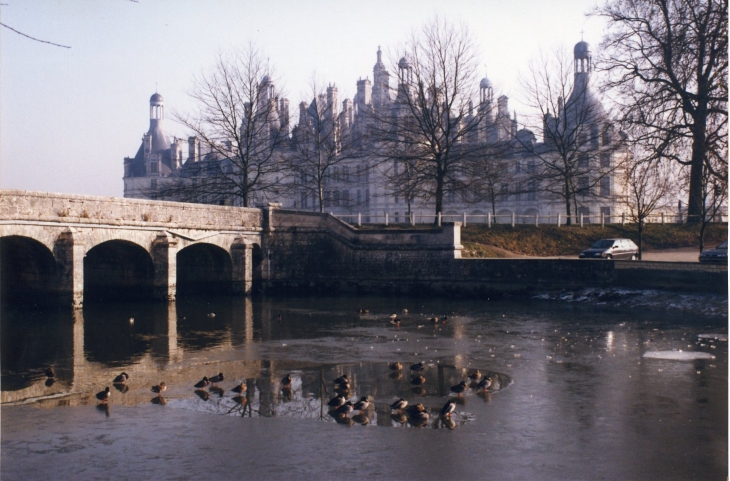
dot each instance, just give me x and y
(158, 140)
(381, 83)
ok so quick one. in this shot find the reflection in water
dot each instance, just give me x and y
(104, 408)
(159, 400)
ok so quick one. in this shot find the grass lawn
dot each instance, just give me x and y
(549, 240)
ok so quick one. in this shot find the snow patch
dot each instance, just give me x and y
(678, 355)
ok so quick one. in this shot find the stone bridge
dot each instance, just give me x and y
(71, 246)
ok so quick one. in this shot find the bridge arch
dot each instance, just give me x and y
(204, 267)
(118, 269)
(28, 271)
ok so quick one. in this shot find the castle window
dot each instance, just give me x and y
(367, 197)
(154, 167)
(153, 184)
(504, 191)
(346, 198)
(605, 159)
(605, 187)
(583, 185)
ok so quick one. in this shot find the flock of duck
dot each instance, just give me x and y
(340, 406)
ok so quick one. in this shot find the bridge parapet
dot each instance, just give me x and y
(87, 209)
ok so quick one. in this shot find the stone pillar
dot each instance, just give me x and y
(164, 260)
(241, 266)
(69, 253)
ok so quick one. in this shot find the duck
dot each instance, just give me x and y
(50, 372)
(418, 380)
(121, 379)
(444, 319)
(362, 404)
(286, 381)
(216, 379)
(211, 315)
(364, 311)
(475, 376)
(485, 383)
(341, 379)
(405, 311)
(399, 405)
(417, 367)
(345, 408)
(336, 401)
(393, 317)
(103, 396)
(394, 322)
(419, 416)
(160, 388)
(433, 319)
(203, 383)
(448, 408)
(342, 387)
(241, 388)
(395, 366)
(415, 409)
(131, 321)
(459, 388)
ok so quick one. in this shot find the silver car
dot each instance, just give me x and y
(612, 249)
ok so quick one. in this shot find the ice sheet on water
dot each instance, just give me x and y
(712, 305)
(678, 355)
(717, 337)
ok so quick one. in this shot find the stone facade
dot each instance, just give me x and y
(360, 186)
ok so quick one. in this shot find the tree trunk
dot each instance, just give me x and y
(567, 205)
(695, 206)
(439, 195)
(641, 237)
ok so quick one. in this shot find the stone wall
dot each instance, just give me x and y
(316, 253)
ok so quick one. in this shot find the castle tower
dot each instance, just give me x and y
(157, 139)
(381, 83)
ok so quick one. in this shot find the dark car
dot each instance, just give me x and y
(611, 249)
(716, 255)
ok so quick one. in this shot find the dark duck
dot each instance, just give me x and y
(104, 395)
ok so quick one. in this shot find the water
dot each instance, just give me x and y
(574, 393)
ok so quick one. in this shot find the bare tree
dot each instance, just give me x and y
(667, 60)
(323, 148)
(579, 143)
(648, 184)
(428, 127)
(489, 172)
(239, 128)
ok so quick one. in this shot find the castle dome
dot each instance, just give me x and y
(581, 50)
(156, 98)
(403, 63)
(485, 83)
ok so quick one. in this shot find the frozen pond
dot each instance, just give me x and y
(577, 391)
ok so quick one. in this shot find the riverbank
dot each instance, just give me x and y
(504, 241)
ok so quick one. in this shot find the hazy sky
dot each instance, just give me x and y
(68, 117)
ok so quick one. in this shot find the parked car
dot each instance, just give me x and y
(612, 249)
(717, 255)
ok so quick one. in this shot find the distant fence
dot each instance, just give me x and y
(513, 219)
